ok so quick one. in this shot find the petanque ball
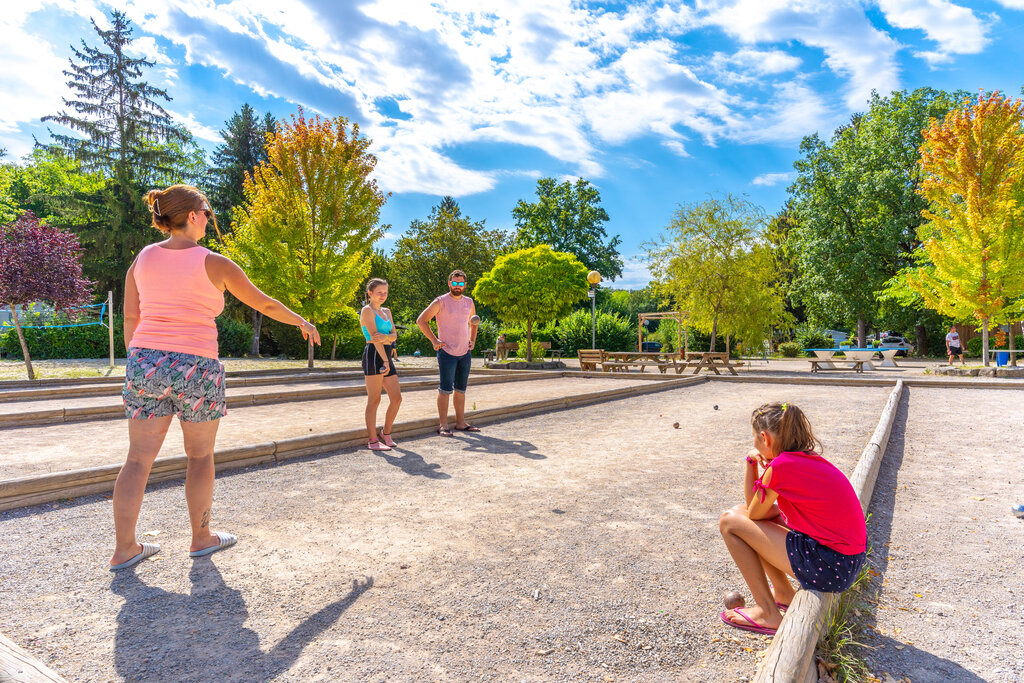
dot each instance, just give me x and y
(716, 406)
(475, 320)
(1018, 510)
(733, 600)
(676, 425)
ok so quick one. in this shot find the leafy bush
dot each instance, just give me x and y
(973, 347)
(486, 337)
(1018, 341)
(789, 349)
(538, 350)
(613, 333)
(234, 338)
(846, 342)
(66, 342)
(813, 339)
(876, 343)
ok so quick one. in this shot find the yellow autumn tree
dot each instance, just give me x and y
(310, 216)
(971, 260)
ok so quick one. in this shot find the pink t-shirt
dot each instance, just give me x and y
(453, 323)
(816, 498)
(177, 301)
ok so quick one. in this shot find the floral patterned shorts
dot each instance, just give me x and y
(162, 383)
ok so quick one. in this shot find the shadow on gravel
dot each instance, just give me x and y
(476, 442)
(202, 636)
(412, 463)
(884, 656)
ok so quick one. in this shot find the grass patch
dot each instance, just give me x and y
(838, 648)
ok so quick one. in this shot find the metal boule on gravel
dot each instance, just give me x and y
(734, 600)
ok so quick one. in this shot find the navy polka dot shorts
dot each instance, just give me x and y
(818, 567)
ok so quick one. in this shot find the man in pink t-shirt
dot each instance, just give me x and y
(454, 343)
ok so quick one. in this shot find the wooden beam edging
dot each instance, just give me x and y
(45, 488)
(18, 666)
(874, 382)
(790, 656)
(108, 412)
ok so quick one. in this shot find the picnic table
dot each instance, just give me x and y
(710, 361)
(826, 361)
(622, 361)
(992, 353)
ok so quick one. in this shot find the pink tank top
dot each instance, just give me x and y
(453, 323)
(177, 301)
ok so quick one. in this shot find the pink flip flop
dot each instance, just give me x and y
(754, 627)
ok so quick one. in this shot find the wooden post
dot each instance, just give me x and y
(110, 324)
(19, 666)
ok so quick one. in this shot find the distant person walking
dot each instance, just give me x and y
(953, 346)
(173, 292)
(378, 364)
(454, 343)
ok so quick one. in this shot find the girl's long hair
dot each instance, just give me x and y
(789, 425)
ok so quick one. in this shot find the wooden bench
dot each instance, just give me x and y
(590, 359)
(503, 348)
(855, 365)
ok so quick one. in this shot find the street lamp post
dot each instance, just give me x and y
(593, 277)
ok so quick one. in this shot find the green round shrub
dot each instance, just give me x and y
(789, 349)
(974, 347)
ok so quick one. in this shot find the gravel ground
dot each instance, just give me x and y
(951, 606)
(65, 446)
(576, 546)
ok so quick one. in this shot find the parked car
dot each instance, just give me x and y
(900, 343)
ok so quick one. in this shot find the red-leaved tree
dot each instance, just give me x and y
(39, 263)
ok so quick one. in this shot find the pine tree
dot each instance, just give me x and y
(244, 148)
(125, 135)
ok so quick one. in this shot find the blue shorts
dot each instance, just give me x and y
(818, 567)
(454, 371)
(162, 383)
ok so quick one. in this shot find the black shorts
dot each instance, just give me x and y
(373, 364)
(818, 567)
(955, 351)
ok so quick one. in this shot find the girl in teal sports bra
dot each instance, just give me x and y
(378, 366)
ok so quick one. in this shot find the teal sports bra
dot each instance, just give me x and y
(384, 326)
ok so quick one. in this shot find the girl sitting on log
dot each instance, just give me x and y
(802, 518)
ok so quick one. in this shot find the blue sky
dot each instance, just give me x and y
(657, 103)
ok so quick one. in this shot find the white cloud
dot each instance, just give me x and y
(956, 29)
(561, 76)
(31, 82)
(146, 47)
(635, 274)
(201, 131)
(1012, 4)
(770, 179)
(854, 49)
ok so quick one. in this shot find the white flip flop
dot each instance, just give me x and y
(226, 541)
(148, 550)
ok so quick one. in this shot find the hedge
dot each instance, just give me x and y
(92, 341)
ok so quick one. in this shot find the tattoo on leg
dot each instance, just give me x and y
(206, 520)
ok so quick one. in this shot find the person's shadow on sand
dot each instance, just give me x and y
(480, 443)
(412, 463)
(163, 636)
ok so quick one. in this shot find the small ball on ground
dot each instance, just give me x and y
(733, 600)
(676, 425)
(716, 406)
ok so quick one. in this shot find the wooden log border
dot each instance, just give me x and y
(790, 657)
(36, 489)
(18, 666)
(90, 413)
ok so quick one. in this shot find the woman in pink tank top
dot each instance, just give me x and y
(173, 292)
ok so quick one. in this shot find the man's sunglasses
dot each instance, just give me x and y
(458, 284)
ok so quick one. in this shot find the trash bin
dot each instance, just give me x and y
(1002, 358)
(650, 347)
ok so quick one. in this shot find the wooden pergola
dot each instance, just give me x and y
(682, 337)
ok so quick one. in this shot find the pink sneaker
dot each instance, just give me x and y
(386, 438)
(376, 445)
